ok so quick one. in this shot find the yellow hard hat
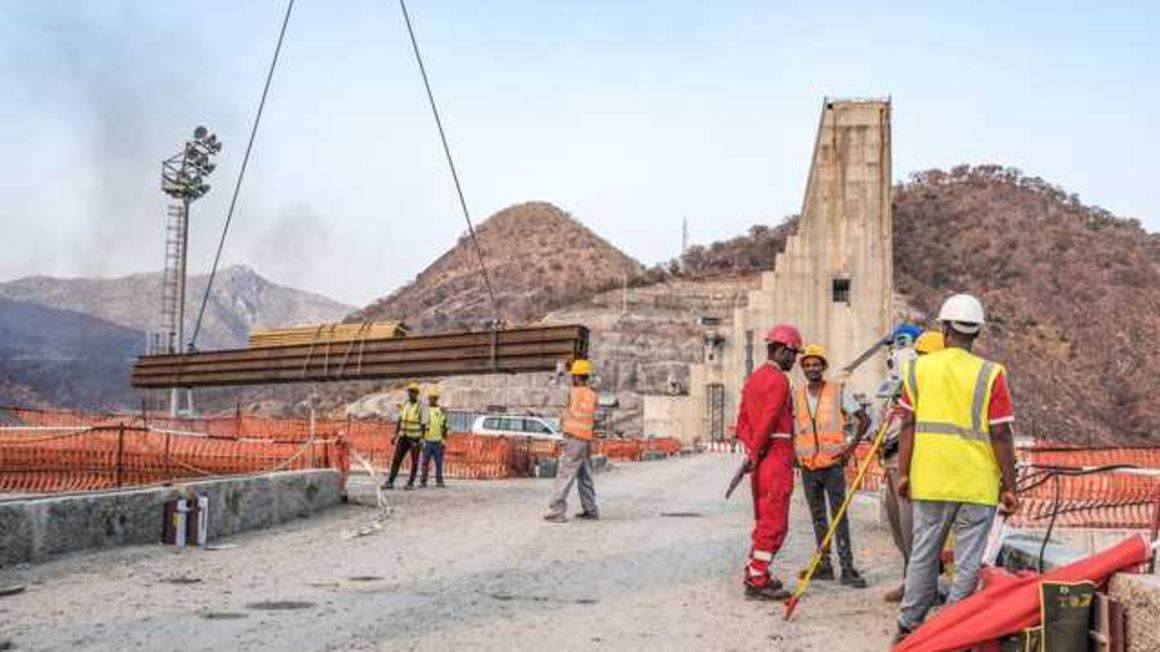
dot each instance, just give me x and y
(930, 342)
(816, 351)
(581, 367)
(433, 392)
(413, 386)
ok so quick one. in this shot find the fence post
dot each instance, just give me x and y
(168, 463)
(120, 453)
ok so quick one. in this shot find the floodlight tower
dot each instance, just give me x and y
(182, 178)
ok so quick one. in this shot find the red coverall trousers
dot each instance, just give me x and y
(772, 484)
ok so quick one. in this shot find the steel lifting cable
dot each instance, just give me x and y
(450, 162)
(241, 174)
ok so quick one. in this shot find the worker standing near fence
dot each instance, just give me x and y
(434, 437)
(575, 465)
(898, 509)
(956, 460)
(765, 426)
(822, 411)
(408, 440)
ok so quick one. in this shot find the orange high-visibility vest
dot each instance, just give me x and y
(580, 417)
(819, 437)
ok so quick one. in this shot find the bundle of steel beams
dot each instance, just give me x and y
(514, 350)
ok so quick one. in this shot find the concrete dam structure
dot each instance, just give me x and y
(835, 279)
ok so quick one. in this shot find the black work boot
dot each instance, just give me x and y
(588, 516)
(852, 578)
(825, 571)
(770, 592)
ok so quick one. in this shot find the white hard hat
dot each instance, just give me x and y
(964, 313)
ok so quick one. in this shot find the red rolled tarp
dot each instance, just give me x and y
(1010, 604)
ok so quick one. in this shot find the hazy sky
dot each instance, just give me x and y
(631, 115)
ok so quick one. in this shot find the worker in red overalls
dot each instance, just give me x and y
(765, 426)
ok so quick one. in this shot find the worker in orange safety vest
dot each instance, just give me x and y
(822, 410)
(575, 465)
(765, 426)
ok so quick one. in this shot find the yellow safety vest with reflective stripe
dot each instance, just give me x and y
(953, 460)
(436, 424)
(819, 436)
(580, 418)
(411, 420)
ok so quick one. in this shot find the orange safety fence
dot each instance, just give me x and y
(68, 450)
(633, 449)
(465, 456)
(1117, 499)
(45, 459)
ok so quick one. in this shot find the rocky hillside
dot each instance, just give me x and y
(241, 300)
(63, 357)
(71, 342)
(744, 255)
(1073, 292)
(640, 340)
(539, 258)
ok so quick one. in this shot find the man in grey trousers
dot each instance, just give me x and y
(956, 458)
(575, 465)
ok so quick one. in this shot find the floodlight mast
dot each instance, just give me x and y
(183, 179)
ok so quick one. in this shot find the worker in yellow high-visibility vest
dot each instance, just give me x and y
(575, 465)
(408, 439)
(956, 458)
(433, 439)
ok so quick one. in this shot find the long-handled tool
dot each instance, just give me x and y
(738, 476)
(804, 582)
(866, 355)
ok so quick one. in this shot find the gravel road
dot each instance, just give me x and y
(471, 567)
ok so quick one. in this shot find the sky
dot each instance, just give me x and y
(631, 116)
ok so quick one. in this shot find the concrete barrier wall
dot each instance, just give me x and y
(1140, 595)
(34, 529)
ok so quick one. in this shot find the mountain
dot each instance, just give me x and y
(241, 300)
(538, 258)
(71, 342)
(68, 357)
(1072, 292)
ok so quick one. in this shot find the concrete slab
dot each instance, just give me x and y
(1140, 595)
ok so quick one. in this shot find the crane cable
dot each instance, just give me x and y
(451, 163)
(250, 146)
(241, 175)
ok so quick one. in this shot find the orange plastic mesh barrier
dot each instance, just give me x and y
(632, 449)
(104, 457)
(66, 450)
(1119, 499)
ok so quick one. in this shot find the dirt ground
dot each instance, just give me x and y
(471, 567)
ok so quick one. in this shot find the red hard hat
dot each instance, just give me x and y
(785, 334)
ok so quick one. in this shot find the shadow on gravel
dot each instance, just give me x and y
(280, 605)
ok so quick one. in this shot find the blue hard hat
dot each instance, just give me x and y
(907, 330)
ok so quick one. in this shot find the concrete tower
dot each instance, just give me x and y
(834, 281)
